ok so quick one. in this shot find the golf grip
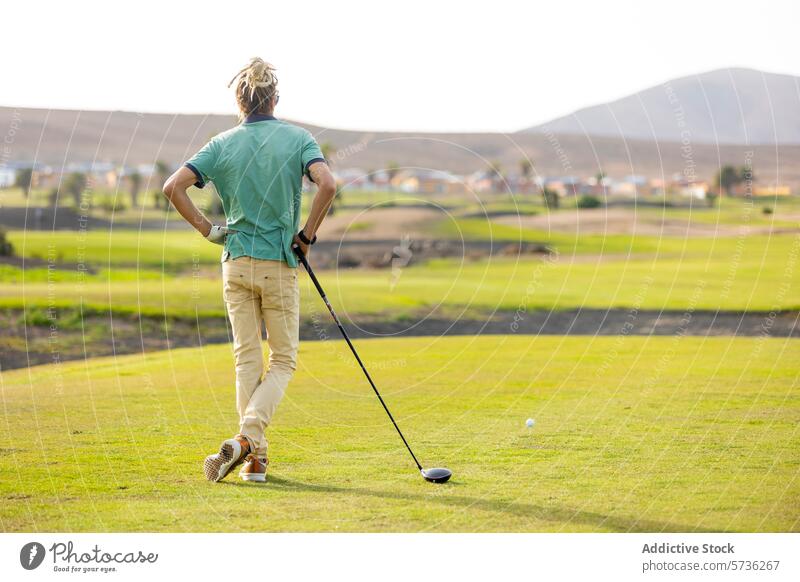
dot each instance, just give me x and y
(302, 258)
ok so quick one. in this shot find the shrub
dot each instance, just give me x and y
(6, 248)
(111, 204)
(589, 201)
(551, 200)
(767, 210)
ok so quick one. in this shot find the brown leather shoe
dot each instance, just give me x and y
(254, 469)
(231, 453)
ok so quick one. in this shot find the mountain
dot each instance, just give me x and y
(731, 106)
(60, 137)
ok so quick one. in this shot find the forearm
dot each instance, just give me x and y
(187, 209)
(319, 210)
(321, 175)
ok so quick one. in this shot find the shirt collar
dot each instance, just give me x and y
(256, 117)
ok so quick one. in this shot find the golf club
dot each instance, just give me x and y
(437, 475)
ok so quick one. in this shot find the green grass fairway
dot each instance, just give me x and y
(142, 249)
(632, 434)
(751, 273)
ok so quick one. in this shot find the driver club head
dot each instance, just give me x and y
(437, 475)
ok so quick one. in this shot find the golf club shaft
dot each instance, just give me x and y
(311, 274)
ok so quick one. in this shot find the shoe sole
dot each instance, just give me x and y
(217, 467)
(255, 477)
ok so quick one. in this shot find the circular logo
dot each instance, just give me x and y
(31, 555)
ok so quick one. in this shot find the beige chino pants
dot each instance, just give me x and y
(258, 290)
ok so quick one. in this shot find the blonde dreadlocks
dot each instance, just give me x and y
(256, 85)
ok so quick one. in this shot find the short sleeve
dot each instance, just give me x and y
(204, 163)
(311, 153)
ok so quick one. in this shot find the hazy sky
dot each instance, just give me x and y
(411, 65)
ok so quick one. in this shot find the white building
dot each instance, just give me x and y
(7, 177)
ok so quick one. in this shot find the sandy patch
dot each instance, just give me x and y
(380, 223)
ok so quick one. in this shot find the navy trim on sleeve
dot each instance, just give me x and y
(200, 181)
(310, 162)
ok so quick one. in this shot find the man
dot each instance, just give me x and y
(257, 168)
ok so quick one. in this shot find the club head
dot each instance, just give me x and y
(437, 475)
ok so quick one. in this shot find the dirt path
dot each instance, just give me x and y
(590, 322)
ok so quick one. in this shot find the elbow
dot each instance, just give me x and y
(328, 189)
(168, 189)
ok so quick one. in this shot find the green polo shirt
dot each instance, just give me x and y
(257, 168)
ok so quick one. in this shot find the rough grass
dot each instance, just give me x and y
(632, 434)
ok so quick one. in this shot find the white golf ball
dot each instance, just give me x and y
(529, 423)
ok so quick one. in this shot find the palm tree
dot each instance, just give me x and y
(135, 185)
(24, 179)
(525, 168)
(74, 185)
(495, 171)
(727, 178)
(550, 197)
(162, 173)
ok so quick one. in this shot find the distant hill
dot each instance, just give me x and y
(730, 106)
(59, 137)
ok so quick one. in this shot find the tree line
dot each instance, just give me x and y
(74, 184)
